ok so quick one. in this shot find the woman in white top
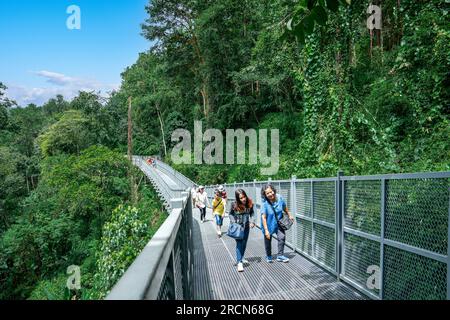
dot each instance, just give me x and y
(200, 202)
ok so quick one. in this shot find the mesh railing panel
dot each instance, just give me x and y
(167, 289)
(417, 213)
(178, 269)
(359, 254)
(304, 236)
(285, 191)
(408, 276)
(324, 245)
(303, 198)
(362, 209)
(324, 198)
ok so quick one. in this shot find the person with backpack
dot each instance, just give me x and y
(218, 205)
(272, 212)
(242, 214)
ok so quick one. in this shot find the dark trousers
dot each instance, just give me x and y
(202, 213)
(281, 235)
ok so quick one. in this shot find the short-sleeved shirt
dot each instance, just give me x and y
(218, 206)
(266, 209)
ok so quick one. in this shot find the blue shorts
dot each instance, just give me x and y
(219, 220)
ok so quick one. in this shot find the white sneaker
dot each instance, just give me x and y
(245, 261)
(240, 267)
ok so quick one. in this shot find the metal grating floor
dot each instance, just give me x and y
(216, 276)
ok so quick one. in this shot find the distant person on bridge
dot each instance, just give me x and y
(221, 189)
(273, 203)
(201, 201)
(218, 210)
(242, 212)
(193, 195)
(151, 162)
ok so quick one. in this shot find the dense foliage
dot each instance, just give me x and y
(342, 97)
(63, 183)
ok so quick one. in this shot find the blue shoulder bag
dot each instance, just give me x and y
(236, 231)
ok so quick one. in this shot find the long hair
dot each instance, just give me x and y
(263, 191)
(239, 206)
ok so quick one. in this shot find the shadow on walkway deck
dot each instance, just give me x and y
(216, 275)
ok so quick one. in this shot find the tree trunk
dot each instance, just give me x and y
(130, 133)
(133, 185)
(162, 130)
(204, 90)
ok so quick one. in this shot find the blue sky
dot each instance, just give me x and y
(40, 57)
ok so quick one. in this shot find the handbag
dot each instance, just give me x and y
(236, 231)
(284, 223)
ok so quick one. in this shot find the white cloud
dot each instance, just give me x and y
(60, 84)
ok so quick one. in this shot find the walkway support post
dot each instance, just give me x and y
(383, 215)
(294, 211)
(448, 251)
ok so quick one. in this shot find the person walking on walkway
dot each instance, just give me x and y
(223, 192)
(273, 204)
(201, 201)
(218, 210)
(242, 212)
(193, 196)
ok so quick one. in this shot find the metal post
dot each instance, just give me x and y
(448, 251)
(313, 235)
(294, 210)
(383, 214)
(342, 254)
(338, 223)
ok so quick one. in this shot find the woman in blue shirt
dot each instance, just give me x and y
(273, 204)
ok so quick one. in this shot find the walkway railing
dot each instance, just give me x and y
(167, 191)
(386, 235)
(164, 268)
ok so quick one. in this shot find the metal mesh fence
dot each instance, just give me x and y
(362, 210)
(303, 198)
(285, 191)
(324, 245)
(324, 201)
(393, 230)
(408, 276)
(359, 255)
(417, 213)
(304, 236)
(166, 291)
(178, 270)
